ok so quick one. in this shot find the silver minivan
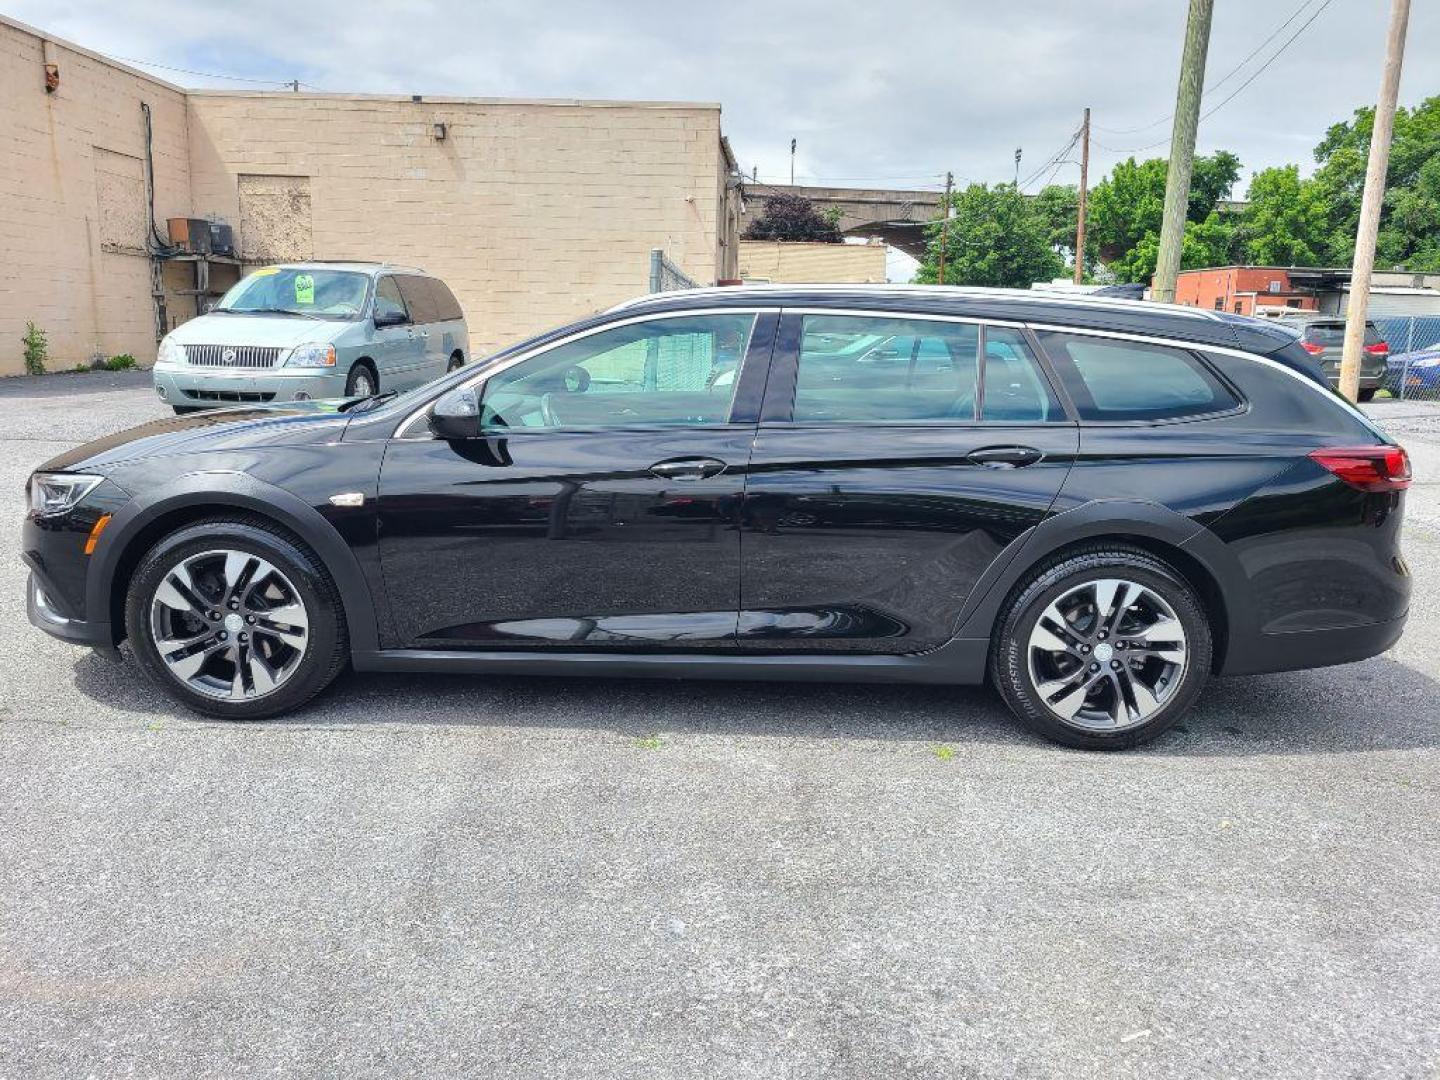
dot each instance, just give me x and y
(303, 331)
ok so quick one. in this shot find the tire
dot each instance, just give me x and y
(1367, 395)
(291, 653)
(362, 380)
(1131, 671)
(457, 361)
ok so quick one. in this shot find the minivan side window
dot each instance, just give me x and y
(447, 308)
(418, 300)
(387, 297)
(858, 368)
(678, 370)
(1114, 379)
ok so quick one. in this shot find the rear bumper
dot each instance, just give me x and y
(1302, 649)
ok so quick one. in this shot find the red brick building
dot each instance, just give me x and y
(1245, 290)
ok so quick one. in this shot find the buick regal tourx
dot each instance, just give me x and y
(1094, 504)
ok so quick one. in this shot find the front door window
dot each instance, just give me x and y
(676, 371)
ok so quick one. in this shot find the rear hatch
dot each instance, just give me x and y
(1326, 342)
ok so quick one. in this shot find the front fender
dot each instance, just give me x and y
(222, 490)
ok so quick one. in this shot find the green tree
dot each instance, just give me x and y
(1059, 206)
(996, 237)
(1286, 223)
(1126, 207)
(1407, 220)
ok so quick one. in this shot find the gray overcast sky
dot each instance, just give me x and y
(888, 93)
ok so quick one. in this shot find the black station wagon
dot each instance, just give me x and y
(1094, 504)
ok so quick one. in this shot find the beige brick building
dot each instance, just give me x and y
(533, 211)
(789, 262)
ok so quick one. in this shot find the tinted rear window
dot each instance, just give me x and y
(1332, 335)
(1111, 379)
(447, 308)
(418, 298)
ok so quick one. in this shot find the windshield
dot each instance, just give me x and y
(283, 290)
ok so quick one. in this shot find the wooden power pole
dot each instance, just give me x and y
(1182, 149)
(945, 224)
(1371, 202)
(1084, 189)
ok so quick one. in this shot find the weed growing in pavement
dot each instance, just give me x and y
(37, 349)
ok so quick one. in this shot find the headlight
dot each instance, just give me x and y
(170, 352)
(318, 354)
(57, 493)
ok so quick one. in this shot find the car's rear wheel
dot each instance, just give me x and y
(457, 361)
(362, 381)
(235, 618)
(1367, 395)
(1102, 650)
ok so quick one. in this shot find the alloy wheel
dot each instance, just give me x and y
(1107, 655)
(228, 624)
(364, 387)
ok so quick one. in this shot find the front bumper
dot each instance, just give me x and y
(198, 387)
(43, 612)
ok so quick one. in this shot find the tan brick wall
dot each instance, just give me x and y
(800, 263)
(534, 213)
(72, 199)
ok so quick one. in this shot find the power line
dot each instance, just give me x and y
(1227, 77)
(1236, 92)
(1051, 160)
(209, 74)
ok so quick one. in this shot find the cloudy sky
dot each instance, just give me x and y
(892, 93)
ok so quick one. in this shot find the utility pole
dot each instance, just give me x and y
(1084, 192)
(1371, 202)
(1017, 168)
(1182, 150)
(295, 86)
(945, 224)
(792, 162)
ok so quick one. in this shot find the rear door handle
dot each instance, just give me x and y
(687, 468)
(1004, 457)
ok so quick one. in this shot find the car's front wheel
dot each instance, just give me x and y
(235, 618)
(1103, 650)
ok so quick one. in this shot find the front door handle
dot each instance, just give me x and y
(1004, 457)
(687, 468)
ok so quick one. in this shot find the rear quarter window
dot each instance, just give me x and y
(447, 308)
(1115, 380)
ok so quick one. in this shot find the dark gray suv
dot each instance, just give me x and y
(1323, 337)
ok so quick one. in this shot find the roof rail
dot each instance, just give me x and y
(958, 292)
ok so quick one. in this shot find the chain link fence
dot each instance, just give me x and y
(665, 276)
(1414, 366)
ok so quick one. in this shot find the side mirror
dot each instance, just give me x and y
(388, 318)
(456, 415)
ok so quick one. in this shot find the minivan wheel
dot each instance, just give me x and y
(1103, 650)
(361, 381)
(235, 618)
(456, 362)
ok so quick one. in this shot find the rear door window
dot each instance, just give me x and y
(418, 298)
(1016, 391)
(1117, 380)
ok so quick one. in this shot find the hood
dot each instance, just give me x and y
(286, 331)
(294, 423)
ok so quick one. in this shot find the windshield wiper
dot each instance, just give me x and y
(271, 311)
(365, 404)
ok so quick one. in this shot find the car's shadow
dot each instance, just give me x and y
(1379, 704)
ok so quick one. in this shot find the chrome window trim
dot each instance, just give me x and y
(1196, 346)
(404, 432)
(901, 316)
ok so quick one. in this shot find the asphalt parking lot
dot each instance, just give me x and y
(513, 877)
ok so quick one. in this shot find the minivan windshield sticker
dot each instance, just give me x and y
(304, 289)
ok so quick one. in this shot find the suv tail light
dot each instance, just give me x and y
(1369, 468)
(1378, 349)
(1312, 348)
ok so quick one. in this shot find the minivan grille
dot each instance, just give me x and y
(246, 356)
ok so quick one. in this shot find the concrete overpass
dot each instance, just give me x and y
(893, 215)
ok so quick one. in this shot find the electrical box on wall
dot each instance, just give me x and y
(190, 235)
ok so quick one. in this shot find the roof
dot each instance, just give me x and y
(1080, 310)
(359, 265)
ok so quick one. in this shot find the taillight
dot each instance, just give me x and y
(1312, 348)
(1378, 349)
(1369, 468)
